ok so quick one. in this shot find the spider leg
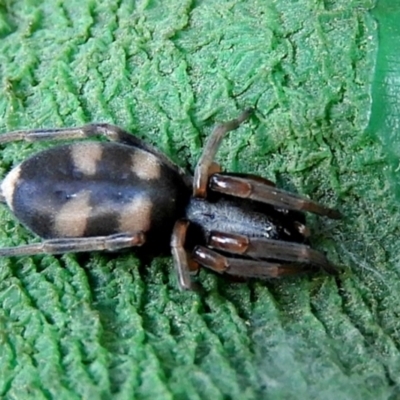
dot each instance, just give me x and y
(110, 132)
(184, 264)
(253, 189)
(74, 245)
(242, 267)
(257, 178)
(301, 228)
(206, 166)
(258, 247)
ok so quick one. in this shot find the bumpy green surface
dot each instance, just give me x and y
(103, 326)
(385, 118)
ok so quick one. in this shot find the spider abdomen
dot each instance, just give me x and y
(94, 189)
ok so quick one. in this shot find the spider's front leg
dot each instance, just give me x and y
(206, 165)
(207, 176)
(254, 189)
(263, 248)
(245, 268)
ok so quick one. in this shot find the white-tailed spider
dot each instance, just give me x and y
(91, 196)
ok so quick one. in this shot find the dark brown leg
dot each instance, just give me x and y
(206, 166)
(269, 249)
(75, 245)
(244, 268)
(253, 177)
(184, 264)
(249, 188)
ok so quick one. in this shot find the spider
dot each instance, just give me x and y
(95, 196)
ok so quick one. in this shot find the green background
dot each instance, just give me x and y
(105, 326)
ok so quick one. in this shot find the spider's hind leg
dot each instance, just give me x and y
(111, 132)
(74, 245)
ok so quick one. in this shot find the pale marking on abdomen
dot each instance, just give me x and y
(71, 220)
(136, 215)
(9, 184)
(145, 165)
(86, 156)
